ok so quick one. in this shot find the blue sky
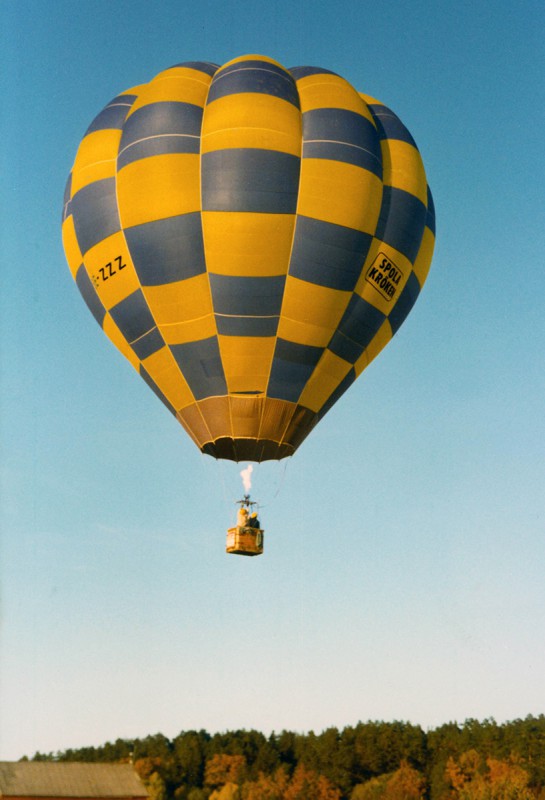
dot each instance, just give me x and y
(403, 574)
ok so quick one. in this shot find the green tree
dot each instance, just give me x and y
(286, 745)
(189, 751)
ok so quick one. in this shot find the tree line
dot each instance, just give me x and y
(368, 761)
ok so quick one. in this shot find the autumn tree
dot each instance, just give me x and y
(508, 780)
(266, 787)
(197, 794)
(223, 768)
(229, 791)
(149, 771)
(465, 775)
(309, 785)
(146, 766)
(156, 787)
(406, 783)
(473, 778)
(372, 789)
(305, 784)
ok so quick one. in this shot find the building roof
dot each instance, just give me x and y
(69, 779)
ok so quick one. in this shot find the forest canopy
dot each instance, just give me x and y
(368, 761)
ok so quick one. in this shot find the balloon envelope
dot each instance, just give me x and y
(250, 237)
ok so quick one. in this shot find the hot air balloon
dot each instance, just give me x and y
(250, 237)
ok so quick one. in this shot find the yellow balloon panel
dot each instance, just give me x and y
(247, 363)
(330, 91)
(247, 244)
(159, 187)
(96, 158)
(179, 302)
(340, 193)
(118, 340)
(422, 262)
(165, 372)
(186, 332)
(310, 313)
(252, 120)
(174, 85)
(403, 168)
(329, 373)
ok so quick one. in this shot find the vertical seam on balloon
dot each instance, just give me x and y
(283, 434)
(232, 430)
(210, 437)
(201, 200)
(421, 283)
(325, 349)
(83, 264)
(353, 293)
(122, 231)
(233, 439)
(432, 232)
(205, 264)
(288, 423)
(295, 403)
(107, 314)
(387, 180)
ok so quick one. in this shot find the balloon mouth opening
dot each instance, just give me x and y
(248, 449)
(243, 429)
